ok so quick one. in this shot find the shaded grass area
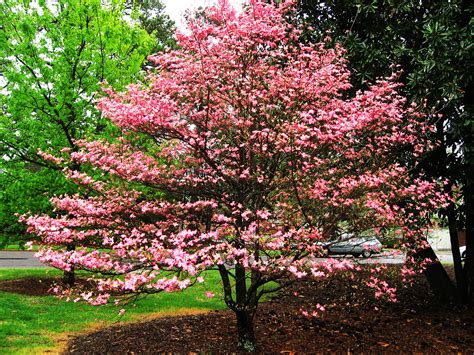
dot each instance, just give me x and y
(31, 324)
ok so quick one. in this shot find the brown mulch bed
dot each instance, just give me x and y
(355, 322)
(29, 286)
(37, 286)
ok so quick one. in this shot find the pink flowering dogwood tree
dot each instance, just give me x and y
(260, 157)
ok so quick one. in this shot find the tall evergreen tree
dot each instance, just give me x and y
(152, 17)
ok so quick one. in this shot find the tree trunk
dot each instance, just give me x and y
(469, 190)
(458, 270)
(450, 211)
(469, 261)
(245, 311)
(437, 277)
(246, 341)
(467, 131)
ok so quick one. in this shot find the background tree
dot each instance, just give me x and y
(152, 17)
(261, 158)
(54, 55)
(431, 42)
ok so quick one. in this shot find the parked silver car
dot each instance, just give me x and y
(361, 246)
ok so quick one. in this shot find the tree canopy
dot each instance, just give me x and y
(263, 159)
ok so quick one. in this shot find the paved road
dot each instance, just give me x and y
(444, 255)
(19, 259)
(25, 259)
(375, 259)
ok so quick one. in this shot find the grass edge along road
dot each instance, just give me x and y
(36, 324)
(15, 247)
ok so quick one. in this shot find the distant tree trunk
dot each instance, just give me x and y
(69, 277)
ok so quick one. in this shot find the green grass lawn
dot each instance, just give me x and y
(16, 247)
(36, 324)
(12, 247)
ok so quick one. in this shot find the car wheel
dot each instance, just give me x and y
(356, 255)
(366, 253)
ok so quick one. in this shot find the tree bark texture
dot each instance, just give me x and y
(246, 342)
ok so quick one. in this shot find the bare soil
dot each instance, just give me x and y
(353, 322)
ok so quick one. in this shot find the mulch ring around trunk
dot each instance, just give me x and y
(353, 322)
